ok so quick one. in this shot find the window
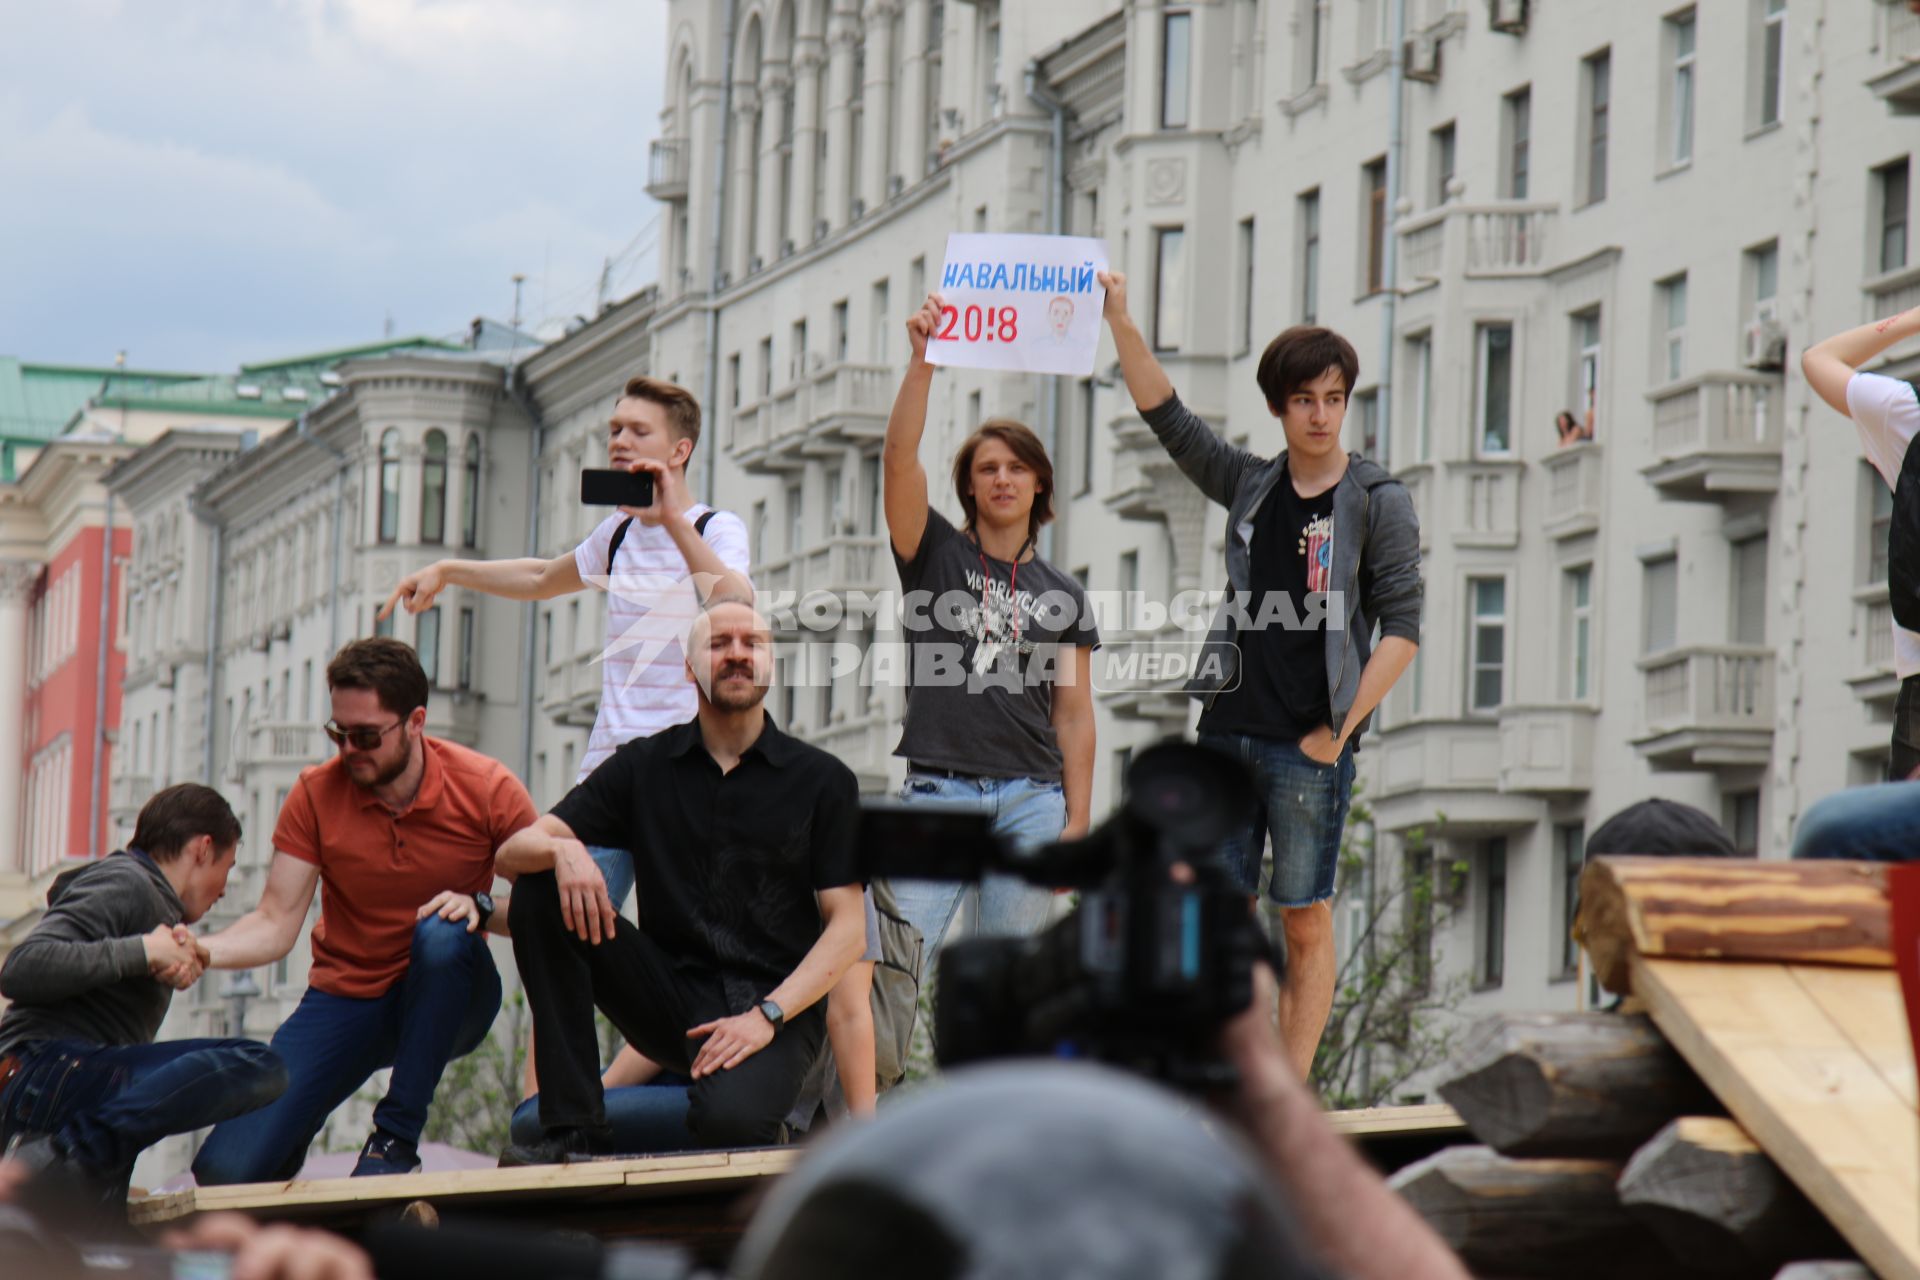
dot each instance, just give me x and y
(1740, 814)
(882, 327)
(433, 489)
(733, 380)
(1442, 147)
(1596, 74)
(1749, 602)
(1374, 183)
(390, 486)
(766, 368)
(1495, 387)
(980, 220)
(1309, 257)
(839, 334)
(1761, 273)
(1129, 580)
(573, 628)
(757, 533)
(1487, 643)
(1421, 362)
(1493, 913)
(1366, 406)
(976, 414)
(1579, 596)
(916, 282)
(1773, 56)
(470, 496)
(1570, 843)
(1586, 374)
(1517, 125)
(546, 643)
(1891, 181)
(1673, 308)
(836, 503)
(1317, 34)
(870, 493)
(1088, 429)
(796, 520)
(465, 674)
(306, 692)
(1176, 31)
(1243, 340)
(1680, 88)
(1169, 287)
(797, 352)
(384, 626)
(1661, 605)
(1879, 523)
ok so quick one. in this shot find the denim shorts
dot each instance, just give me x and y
(1302, 807)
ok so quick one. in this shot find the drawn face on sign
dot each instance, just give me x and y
(1060, 315)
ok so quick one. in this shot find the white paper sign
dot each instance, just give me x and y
(1026, 303)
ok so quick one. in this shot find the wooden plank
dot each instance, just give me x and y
(1436, 1118)
(1797, 1083)
(1738, 909)
(1869, 1011)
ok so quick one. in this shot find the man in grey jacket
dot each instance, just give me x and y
(82, 1085)
(1322, 547)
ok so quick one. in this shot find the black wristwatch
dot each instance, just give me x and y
(483, 903)
(773, 1013)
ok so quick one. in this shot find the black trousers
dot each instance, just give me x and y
(652, 1001)
(1906, 731)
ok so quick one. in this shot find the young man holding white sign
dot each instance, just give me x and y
(1322, 546)
(1000, 643)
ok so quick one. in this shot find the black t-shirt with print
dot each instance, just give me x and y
(1282, 692)
(980, 701)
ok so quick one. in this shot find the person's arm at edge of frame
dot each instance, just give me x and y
(523, 579)
(268, 932)
(1354, 1220)
(903, 478)
(1073, 728)
(1829, 365)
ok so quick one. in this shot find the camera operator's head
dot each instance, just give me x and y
(652, 420)
(730, 654)
(1040, 1169)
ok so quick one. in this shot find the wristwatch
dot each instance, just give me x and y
(483, 903)
(773, 1013)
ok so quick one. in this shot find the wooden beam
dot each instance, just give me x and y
(1719, 1204)
(1570, 1084)
(1734, 909)
(1774, 1042)
(1508, 1217)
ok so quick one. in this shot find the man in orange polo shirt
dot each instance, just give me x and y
(394, 821)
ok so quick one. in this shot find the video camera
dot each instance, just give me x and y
(1157, 954)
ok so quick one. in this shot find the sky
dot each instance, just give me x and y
(203, 183)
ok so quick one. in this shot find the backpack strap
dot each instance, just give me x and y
(620, 534)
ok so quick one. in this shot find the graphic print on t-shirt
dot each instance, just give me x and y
(1316, 544)
(994, 627)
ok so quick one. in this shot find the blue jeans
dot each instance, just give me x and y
(1880, 823)
(440, 1010)
(107, 1103)
(1302, 808)
(1028, 812)
(645, 1118)
(617, 866)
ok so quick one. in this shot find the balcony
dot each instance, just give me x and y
(1896, 73)
(1716, 436)
(1876, 682)
(1546, 749)
(454, 714)
(1573, 491)
(842, 565)
(572, 693)
(1443, 776)
(1486, 503)
(1505, 239)
(128, 793)
(816, 415)
(669, 161)
(282, 744)
(850, 404)
(1147, 486)
(1142, 675)
(1708, 707)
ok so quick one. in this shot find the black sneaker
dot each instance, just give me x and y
(556, 1146)
(385, 1154)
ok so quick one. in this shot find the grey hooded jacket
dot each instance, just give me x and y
(1377, 573)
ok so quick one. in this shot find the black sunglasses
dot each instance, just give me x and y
(360, 737)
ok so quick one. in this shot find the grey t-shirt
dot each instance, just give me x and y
(980, 684)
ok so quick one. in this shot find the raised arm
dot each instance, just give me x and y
(269, 931)
(512, 579)
(903, 479)
(1831, 364)
(1147, 382)
(712, 575)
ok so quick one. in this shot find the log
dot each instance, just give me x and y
(1508, 1217)
(1570, 1084)
(1719, 1204)
(1708, 908)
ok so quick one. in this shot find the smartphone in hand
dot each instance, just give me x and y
(602, 488)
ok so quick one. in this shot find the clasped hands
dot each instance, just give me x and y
(175, 956)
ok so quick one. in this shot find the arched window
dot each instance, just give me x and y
(390, 486)
(470, 496)
(433, 489)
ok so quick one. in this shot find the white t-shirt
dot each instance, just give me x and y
(1888, 416)
(650, 604)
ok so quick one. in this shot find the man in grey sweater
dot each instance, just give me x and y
(82, 1085)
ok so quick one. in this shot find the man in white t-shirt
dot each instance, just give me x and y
(1887, 415)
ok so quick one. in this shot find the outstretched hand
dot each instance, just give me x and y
(1115, 306)
(921, 326)
(416, 591)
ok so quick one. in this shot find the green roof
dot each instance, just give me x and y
(37, 401)
(320, 360)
